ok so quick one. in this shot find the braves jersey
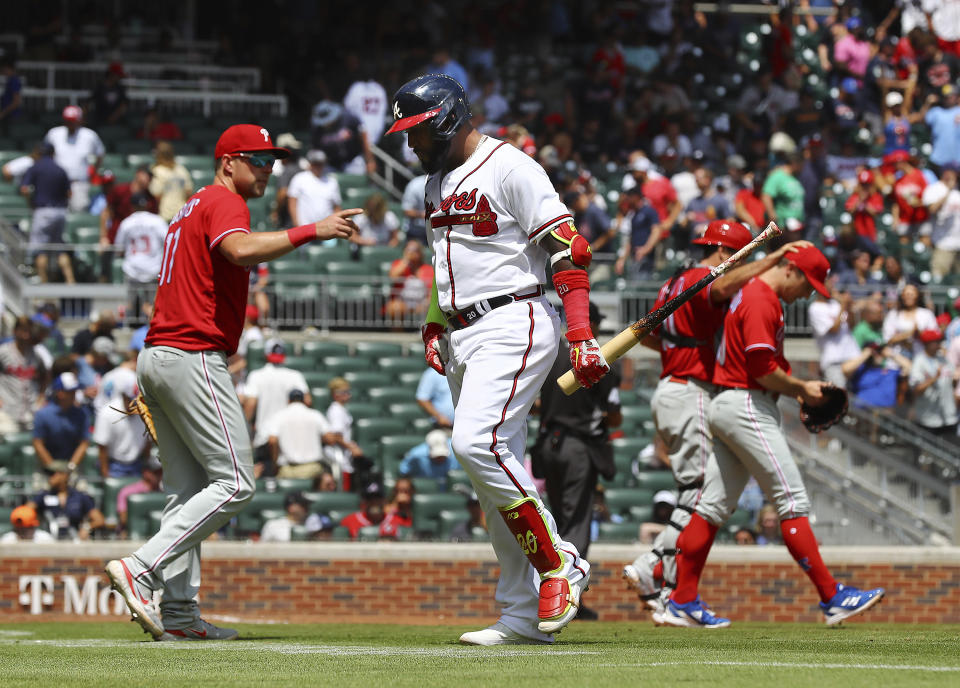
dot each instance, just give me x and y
(202, 296)
(485, 220)
(753, 325)
(141, 236)
(368, 102)
(698, 319)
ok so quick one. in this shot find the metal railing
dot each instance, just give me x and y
(86, 75)
(206, 103)
(395, 175)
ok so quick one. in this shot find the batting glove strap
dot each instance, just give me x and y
(431, 333)
(587, 362)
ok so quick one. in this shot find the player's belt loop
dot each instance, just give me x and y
(467, 316)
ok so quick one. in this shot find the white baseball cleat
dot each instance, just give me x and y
(641, 581)
(559, 602)
(498, 634)
(140, 605)
(199, 630)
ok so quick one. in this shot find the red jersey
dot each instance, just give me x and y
(697, 319)
(202, 296)
(661, 194)
(753, 205)
(909, 188)
(121, 207)
(864, 222)
(752, 344)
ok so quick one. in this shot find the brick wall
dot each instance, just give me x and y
(411, 582)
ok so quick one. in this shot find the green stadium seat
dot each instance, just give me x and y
(298, 533)
(427, 508)
(348, 271)
(641, 514)
(139, 508)
(255, 355)
(390, 395)
(368, 431)
(365, 379)
(740, 519)
(365, 409)
(393, 365)
(250, 519)
(373, 256)
(411, 379)
(407, 411)
(426, 485)
(656, 480)
(368, 534)
(302, 363)
(347, 364)
(111, 488)
(375, 350)
(287, 485)
(621, 500)
(618, 532)
(340, 534)
(626, 449)
(319, 349)
(318, 379)
(458, 477)
(327, 502)
(448, 519)
(288, 267)
(322, 254)
(393, 447)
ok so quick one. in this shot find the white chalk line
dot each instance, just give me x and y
(788, 665)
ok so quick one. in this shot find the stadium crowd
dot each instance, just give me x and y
(651, 120)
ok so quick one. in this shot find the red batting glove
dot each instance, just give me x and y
(588, 362)
(431, 333)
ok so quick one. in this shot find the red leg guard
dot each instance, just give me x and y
(693, 546)
(525, 521)
(658, 571)
(799, 539)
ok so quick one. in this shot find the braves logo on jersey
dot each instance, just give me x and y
(483, 221)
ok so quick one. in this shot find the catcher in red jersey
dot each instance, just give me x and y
(687, 342)
(750, 374)
(182, 375)
(494, 221)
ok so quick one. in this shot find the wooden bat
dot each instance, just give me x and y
(626, 340)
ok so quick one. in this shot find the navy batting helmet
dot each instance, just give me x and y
(434, 98)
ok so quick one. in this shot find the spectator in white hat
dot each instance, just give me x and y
(76, 149)
(314, 193)
(664, 502)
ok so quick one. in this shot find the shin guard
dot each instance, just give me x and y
(525, 520)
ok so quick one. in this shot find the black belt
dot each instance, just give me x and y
(467, 316)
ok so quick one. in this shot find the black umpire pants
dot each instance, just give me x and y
(571, 481)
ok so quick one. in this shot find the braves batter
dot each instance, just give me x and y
(750, 374)
(687, 343)
(182, 374)
(494, 222)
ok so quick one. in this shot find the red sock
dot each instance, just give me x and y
(799, 539)
(693, 546)
(658, 571)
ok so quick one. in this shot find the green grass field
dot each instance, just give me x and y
(587, 654)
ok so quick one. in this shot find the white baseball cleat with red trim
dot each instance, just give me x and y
(498, 634)
(139, 599)
(199, 630)
(559, 602)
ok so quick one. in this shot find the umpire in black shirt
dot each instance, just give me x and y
(573, 446)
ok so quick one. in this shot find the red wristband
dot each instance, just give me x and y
(573, 287)
(303, 234)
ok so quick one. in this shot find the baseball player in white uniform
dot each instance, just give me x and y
(494, 220)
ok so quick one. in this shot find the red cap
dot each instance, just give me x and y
(73, 113)
(930, 336)
(116, 68)
(943, 319)
(814, 266)
(24, 517)
(865, 177)
(247, 138)
(895, 157)
(253, 313)
(725, 233)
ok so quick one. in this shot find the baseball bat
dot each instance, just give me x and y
(629, 337)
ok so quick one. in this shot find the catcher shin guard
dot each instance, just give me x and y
(525, 521)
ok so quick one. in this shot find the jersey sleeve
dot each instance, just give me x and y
(533, 201)
(760, 321)
(228, 215)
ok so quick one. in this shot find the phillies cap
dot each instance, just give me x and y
(865, 177)
(928, 336)
(73, 113)
(814, 266)
(247, 138)
(24, 517)
(275, 350)
(725, 233)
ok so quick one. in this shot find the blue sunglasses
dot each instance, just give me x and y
(258, 160)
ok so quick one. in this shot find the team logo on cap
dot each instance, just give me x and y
(266, 135)
(396, 110)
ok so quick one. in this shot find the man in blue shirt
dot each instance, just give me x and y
(431, 459)
(61, 429)
(944, 123)
(636, 257)
(47, 186)
(11, 99)
(434, 397)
